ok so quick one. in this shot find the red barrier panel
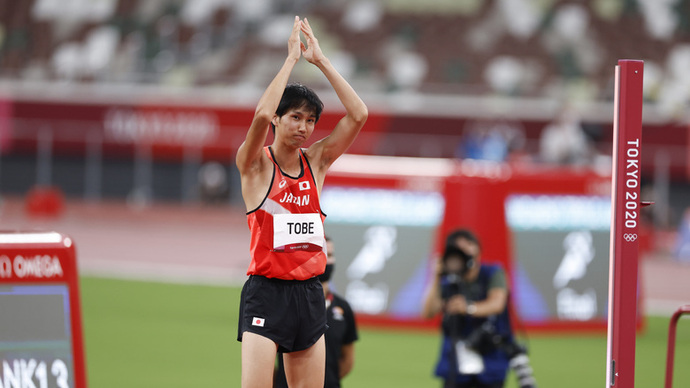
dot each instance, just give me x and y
(548, 227)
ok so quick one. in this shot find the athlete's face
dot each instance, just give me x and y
(295, 126)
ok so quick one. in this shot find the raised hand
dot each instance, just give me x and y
(295, 45)
(311, 52)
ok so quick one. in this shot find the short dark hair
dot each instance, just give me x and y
(465, 234)
(453, 250)
(297, 95)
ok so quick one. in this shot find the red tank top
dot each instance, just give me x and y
(287, 238)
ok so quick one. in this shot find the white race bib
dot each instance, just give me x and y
(291, 230)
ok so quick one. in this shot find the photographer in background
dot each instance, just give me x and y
(478, 345)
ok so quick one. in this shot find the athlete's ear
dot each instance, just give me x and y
(274, 120)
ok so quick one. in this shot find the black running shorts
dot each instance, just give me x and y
(291, 313)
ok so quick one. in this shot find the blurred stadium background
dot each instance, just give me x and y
(88, 82)
(119, 119)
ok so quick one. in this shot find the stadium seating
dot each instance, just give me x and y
(509, 47)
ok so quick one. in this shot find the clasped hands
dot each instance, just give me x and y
(311, 50)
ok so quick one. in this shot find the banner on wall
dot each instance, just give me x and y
(168, 130)
(548, 228)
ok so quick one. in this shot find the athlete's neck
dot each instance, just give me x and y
(288, 159)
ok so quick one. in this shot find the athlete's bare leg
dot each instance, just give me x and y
(258, 360)
(306, 368)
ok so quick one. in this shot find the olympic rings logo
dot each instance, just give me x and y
(630, 237)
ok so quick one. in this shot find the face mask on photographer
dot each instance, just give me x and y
(326, 275)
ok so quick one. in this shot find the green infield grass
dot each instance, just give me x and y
(145, 334)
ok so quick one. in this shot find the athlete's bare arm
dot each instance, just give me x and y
(254, 167)
(325, 151)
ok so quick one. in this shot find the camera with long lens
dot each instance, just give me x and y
(519, 363)
(453, 280)
(467, 260)
(485, 339)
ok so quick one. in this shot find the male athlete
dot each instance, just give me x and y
(282, 304)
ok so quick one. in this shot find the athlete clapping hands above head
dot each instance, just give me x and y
(282, 305)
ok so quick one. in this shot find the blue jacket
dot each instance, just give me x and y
(460, 326)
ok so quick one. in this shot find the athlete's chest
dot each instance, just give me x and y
(294, 192)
